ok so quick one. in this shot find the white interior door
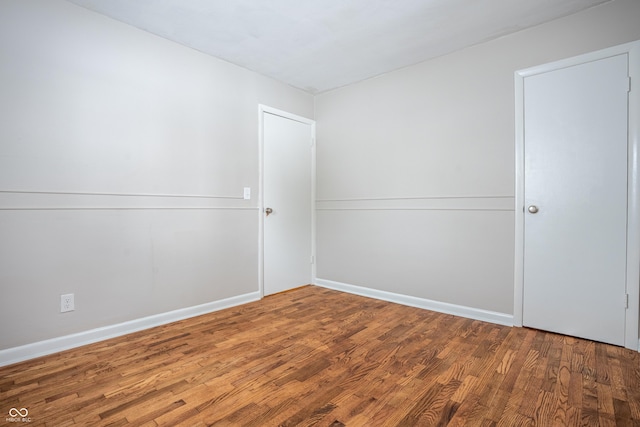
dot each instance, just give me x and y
(575, 199)
(287, 202)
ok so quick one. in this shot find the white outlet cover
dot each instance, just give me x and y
(66, 303)
(247, 193)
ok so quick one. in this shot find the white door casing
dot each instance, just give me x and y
(578, 257)
(288, 190)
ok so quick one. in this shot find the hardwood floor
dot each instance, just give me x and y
(314, 356)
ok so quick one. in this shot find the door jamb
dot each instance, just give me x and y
(262, 110)
(633, 184)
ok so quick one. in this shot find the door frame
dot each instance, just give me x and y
(262, 110)
(632, 316)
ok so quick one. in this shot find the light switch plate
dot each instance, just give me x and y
(247, 193)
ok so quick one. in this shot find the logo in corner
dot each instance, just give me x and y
(22, 412)
(18, 415)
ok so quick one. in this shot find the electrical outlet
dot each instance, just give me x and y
(66, 303)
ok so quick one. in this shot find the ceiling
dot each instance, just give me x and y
(319, 45)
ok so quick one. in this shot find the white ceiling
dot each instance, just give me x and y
(318, 45)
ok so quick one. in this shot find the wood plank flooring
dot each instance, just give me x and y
(314, 356)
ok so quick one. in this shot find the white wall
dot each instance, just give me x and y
(416, 167)
(90, 105)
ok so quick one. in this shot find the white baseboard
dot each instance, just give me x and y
(54, 345)
(442, 307)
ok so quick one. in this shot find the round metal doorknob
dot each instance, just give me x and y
(268, 211)
(533, 209)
